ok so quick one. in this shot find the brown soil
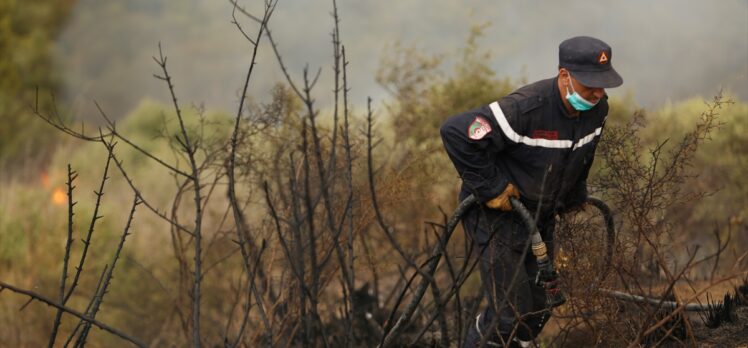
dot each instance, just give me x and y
(726, 335)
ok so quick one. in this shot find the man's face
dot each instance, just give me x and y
(592, 95)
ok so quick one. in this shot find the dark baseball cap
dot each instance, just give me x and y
(589, 61)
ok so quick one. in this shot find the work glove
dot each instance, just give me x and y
(501, 202)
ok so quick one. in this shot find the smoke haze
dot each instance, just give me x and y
(665, 50)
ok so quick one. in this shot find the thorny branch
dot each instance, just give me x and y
(189, 148)
(71, 177)
(71, 311)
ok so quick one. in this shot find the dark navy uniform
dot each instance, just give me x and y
(528, 139)
(529, 134)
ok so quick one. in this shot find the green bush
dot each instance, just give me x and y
(27, 33)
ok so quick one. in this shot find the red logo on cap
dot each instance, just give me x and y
(602, 58)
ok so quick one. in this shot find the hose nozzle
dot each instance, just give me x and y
(548, 279)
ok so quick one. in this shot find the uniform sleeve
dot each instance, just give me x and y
(472, 140)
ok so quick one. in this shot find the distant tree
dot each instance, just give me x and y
(718, 168)
(423, 96)
(27, 32)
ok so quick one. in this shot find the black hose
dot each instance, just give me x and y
(670, 305)
(429, 272)
(526, 216)
(610, 233)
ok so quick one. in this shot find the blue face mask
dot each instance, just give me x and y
(576, 100)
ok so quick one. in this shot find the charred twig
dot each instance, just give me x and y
(87, 319)
(251, 286)
(349, 160)
(88, 307)
(304, 291)
(112, 127)
(439, 308)
(388, 231)
(99, 296)
(120, 167)
(465, 272)
(242, 229)
(294, 267)
(189, 148)
(311, 234)
(95, 217)
(59, 124)
(63, 278)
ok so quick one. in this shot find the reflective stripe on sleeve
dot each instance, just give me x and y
(587, 138)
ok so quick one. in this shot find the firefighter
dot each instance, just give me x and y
(536, 144)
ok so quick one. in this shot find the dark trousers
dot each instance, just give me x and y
(515, 304)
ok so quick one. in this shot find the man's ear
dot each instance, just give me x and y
(563, 77)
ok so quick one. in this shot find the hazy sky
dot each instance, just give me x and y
(665, 50)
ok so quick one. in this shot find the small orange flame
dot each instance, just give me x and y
(59, 197)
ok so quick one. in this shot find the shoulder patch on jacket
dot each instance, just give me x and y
(478, 128)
